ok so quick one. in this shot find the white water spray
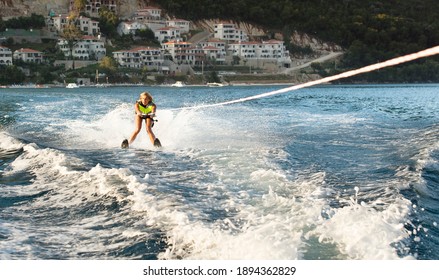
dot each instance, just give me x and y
(370, 68)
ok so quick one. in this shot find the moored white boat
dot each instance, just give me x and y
(177, 84)
(72, 85)
(215, 85)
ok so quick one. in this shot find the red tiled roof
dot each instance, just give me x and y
(26, 50)
(175, 42)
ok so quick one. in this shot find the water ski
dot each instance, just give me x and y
(124, 144)
(157, 143)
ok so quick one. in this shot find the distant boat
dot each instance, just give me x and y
(215, 85)
(72, 85)
(177, 84)
(24, 86)
(101, 85)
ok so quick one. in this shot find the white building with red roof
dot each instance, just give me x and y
(166, 34)
(244, 49)
(184, 52)
(28, 55)
(140, 57)
(184, 25)
(148, 13)
(215, 50)
(60, 22)
(88, 26)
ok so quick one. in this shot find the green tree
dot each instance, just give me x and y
(236, 60)
(33, 21)
(108, 64)
(2, 25)
(108, 22)
(11, 75)
(78, 6)
(213, 77)
(72, 35)
(146, 34)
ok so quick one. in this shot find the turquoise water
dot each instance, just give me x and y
(330, 172)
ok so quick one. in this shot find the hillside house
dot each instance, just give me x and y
(28, 55)
(59, 22)
(5, 56)
(88, 26)
(89, 47)
(85, 24)
(166, 34)
(140, 57)
(130, 27)
(148, 13)
(228, 32)
(184, 25)
(149, 17)
(184, 52)
(92, 7)
(215, 50)
(261, 52)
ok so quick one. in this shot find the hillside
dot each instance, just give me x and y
(369, 31)
(14, 8)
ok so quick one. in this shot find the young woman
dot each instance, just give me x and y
(145, 110)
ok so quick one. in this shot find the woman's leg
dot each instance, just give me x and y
(138, 126)
(149, 130)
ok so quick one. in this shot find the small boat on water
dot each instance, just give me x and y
(177, 84)
(215, 85)
(72, 85)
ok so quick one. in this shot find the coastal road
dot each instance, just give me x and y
(329, 56)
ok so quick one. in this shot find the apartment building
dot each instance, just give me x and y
(166, 34)
(28, 55)
(130, 27)
(273, 50)
(88, 26)
(140, 57)
(5, 56)
(92, 7)
(88, 48)
(59, 22)
(229, 32)
(147, 13)
(85, 24)
(182, 24)
(215, 50)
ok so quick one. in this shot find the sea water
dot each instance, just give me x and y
(328, 172)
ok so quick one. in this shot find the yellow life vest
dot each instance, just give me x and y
(145, 109)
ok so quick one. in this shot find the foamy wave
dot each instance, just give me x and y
(362, 232)
(8, 142)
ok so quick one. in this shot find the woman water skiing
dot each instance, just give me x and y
(145, 110)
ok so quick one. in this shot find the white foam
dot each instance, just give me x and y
(7, 142)
(361, 232)
(272, 213)
(275, 214)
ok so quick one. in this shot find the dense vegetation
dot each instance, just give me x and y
(33, 21)
(370, 31)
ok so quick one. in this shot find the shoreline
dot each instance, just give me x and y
(234, 84)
